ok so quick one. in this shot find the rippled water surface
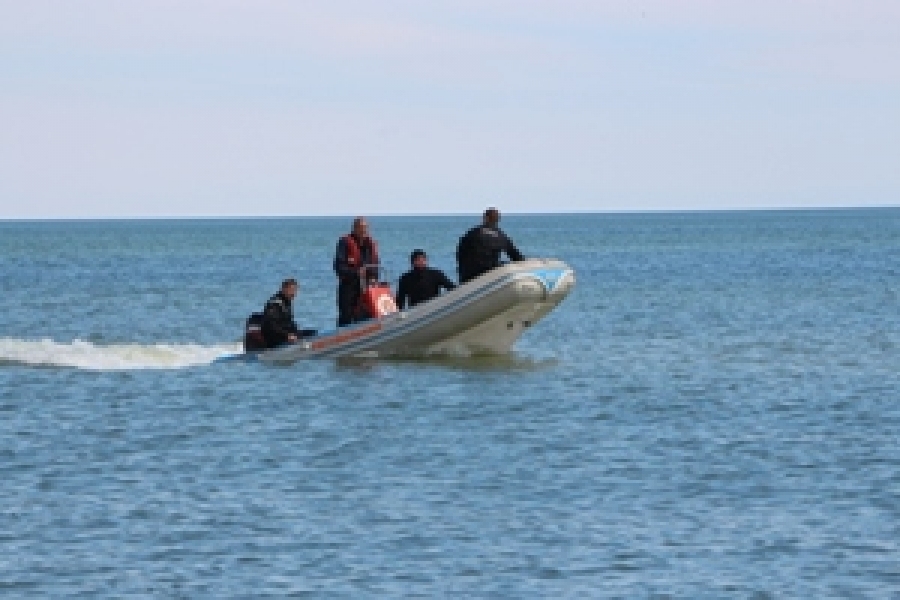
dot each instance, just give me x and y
(713, 412)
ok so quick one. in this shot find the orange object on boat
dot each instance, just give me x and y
(378, 300)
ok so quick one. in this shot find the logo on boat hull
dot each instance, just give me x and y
(549, 277)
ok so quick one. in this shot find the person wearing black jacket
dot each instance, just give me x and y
(421, 283)
(278, 326)
(480, 248)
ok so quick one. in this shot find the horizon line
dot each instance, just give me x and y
(451, 214)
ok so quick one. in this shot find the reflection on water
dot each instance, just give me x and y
(472, 362)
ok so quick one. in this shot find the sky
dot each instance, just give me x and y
(221, 108)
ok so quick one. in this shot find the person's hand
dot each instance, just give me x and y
(292, 337)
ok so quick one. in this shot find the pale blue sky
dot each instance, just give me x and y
(226, 108)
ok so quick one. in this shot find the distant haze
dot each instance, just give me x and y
(225, 108)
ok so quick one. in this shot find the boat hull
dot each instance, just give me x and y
(485, 316)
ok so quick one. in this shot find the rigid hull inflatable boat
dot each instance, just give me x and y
(485, 316)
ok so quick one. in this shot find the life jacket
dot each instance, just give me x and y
(354, 252)
(253, 336)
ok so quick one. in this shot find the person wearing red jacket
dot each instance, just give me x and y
(355, 260)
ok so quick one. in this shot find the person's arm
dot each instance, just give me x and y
(341, 266)
(511, 251)
(445, 282)
(464, 254)
(464, 248)
(402, 293)
(370, 267)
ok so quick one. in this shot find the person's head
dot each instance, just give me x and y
(360, 228)
(289, 288)
(418, 259)
(491, 217)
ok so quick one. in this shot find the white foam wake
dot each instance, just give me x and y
(86, 355)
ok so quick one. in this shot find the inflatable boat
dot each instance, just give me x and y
(484, 316)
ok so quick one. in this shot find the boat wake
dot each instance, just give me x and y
(80, 354)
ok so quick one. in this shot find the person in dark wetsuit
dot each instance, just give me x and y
(278, 326)
(480, 248)
(354, 260)
(421, 283)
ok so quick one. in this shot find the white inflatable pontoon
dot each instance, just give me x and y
(484, 316)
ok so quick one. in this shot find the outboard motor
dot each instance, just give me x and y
(253, 336)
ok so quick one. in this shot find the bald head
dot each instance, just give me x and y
(492, 217)
(360, 228)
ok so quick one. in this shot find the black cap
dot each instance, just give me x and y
(417, 253)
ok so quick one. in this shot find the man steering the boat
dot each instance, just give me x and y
(479, 250)
(355, 260)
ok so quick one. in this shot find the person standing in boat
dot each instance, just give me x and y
(355, 259)
(421, 283)
(278, 326)
(479, 250)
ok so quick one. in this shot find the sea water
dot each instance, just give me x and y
(713, 412)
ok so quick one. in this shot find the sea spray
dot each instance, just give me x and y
(81, 354)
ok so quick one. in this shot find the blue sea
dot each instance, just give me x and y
(714, 412)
